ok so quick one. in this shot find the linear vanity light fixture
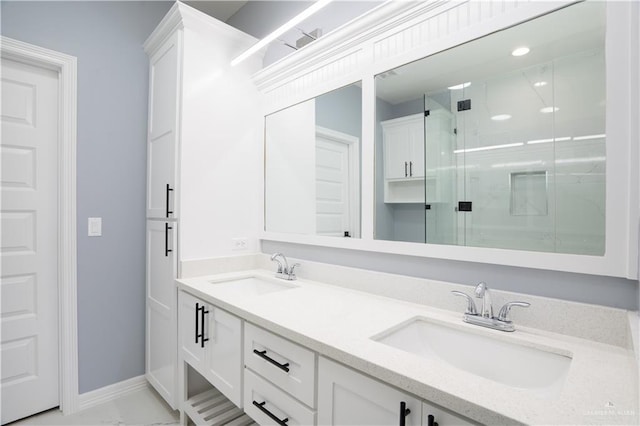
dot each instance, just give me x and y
(319, 4)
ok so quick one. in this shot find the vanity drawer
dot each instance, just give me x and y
(285, 364)
(263, 400)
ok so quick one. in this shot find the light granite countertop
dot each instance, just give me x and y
(601, 386)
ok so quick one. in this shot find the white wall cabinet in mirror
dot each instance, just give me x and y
(527, 160)
(312, 166)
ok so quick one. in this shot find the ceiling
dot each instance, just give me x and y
(221, 10)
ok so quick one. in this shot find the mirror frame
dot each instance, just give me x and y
(393, 35)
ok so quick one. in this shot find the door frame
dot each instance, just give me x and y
(66, 67)
(353, 144)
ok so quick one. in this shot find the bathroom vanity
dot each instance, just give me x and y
(347, 346)
(316, 353)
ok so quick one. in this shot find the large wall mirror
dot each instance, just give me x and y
(500, 142)
(312, 166)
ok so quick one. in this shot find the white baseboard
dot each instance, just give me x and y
(111, 392)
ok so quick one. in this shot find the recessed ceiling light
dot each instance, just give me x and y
(501, 117)
(460, 86)
(540, 83)
(520, 51)
(547, 110)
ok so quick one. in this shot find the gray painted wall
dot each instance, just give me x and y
(107, 38)
(607, 291)
(341, 110)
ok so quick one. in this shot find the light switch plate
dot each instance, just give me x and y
(95, 227)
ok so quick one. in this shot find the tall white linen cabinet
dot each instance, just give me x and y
(203, 121)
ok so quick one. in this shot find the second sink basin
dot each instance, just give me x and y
(252, 286)
(539, 370)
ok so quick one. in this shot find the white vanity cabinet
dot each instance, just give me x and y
(279, 379)
(190, 128)
(346, 397)
(211, 343)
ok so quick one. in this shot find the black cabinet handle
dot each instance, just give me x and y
(431, 420)
(410, 168)
(262, 354)
(197, 311)
(405, 169)
(200, 313)
(273, 417)
(404, 412)
(168, 212)
(203, 339)
(167, 250)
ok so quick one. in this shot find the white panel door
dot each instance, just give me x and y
(164, 76)
(29, 240)
(224, 353)
(346, 397)
(333, 210)
(161, 340)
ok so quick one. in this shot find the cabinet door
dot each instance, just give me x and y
(346, 397)
(397, 150)
(223, 364)
(441, 416)
(161, 306)
(163, 129)
(190, 322)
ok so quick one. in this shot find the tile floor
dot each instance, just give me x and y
(143, 407)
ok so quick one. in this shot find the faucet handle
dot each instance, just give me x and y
(471, 305)
(291, 271)
(504, 311)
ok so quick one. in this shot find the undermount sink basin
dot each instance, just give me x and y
(254, 286)
(539, 370)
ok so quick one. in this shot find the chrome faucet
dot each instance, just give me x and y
(482, 292)
(284, 270)
(485, 317)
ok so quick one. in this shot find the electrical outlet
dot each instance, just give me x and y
(240, 243)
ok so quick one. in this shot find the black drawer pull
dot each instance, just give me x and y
(410, 168)
(167, 211)
(405, 169)
(262, 354)
(260, 406)
(404, 412)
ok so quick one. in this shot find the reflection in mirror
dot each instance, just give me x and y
(312, 165)
(485, 146)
